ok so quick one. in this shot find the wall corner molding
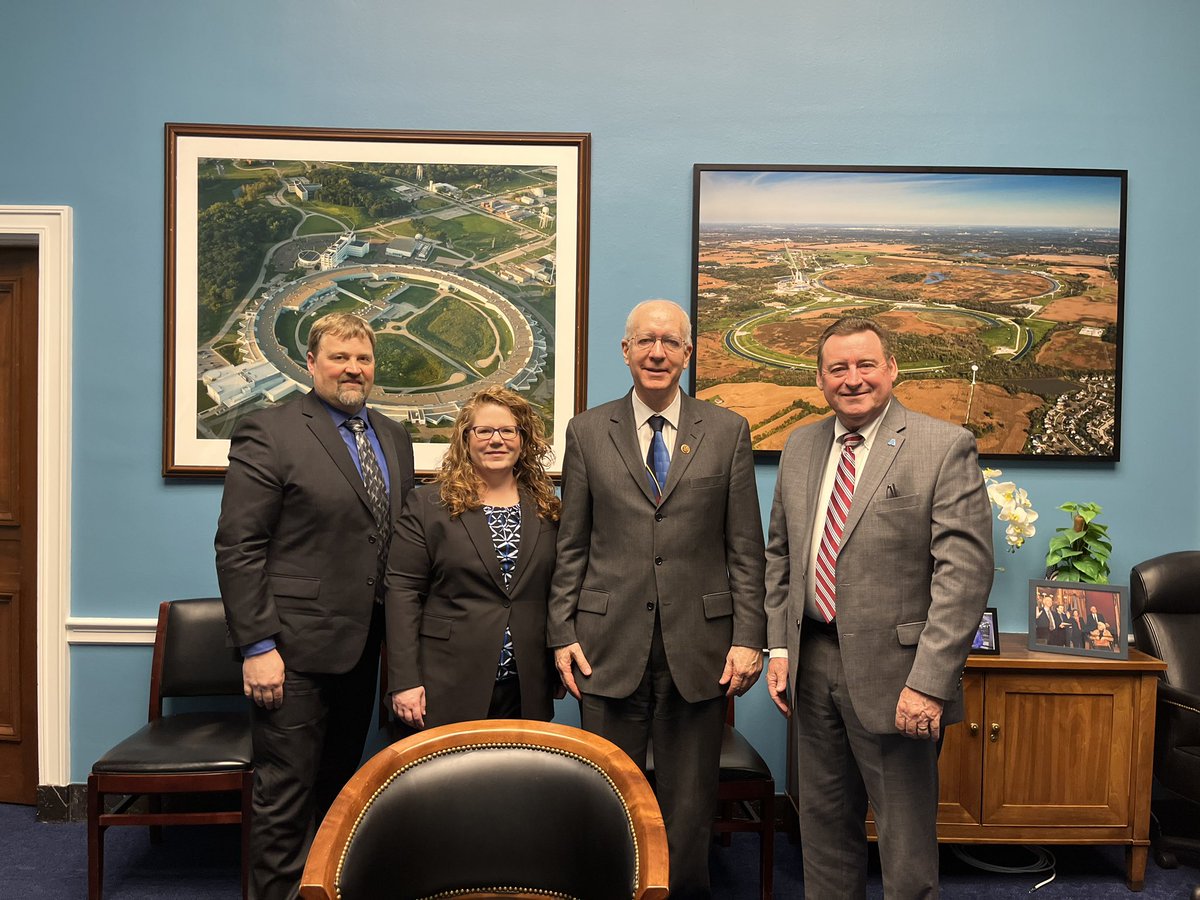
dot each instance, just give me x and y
(50, 228)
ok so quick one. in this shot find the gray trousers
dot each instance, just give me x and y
(841, 765)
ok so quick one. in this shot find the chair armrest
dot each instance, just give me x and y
(1179, 715)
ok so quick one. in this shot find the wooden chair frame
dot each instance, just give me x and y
(320, 873)
(153, 787)
(736, 813)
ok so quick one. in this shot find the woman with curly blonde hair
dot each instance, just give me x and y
(469, 573)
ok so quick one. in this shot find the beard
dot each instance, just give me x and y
(352, 395)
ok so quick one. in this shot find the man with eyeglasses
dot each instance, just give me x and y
(879, 563)
(656, 609)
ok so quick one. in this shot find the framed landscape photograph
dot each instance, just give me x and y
(1002, 289)
(465, 251)
(1080, 619)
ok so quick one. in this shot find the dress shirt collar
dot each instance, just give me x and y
(340, 417)
(642, 412)
(868, 432)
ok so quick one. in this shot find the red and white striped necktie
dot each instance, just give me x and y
(835, 523)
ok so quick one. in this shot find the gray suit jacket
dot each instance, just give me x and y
(296, 541)
(447, 607)
(914, 569)
(696, 560)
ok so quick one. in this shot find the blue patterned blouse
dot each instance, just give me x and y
(505, 525)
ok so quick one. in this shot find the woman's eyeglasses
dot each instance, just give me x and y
(485, 432)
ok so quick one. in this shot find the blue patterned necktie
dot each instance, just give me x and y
(658, 461)
(377, 494)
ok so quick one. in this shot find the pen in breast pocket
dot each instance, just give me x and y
(891, 490)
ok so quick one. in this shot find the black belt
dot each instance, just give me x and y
(816, 626)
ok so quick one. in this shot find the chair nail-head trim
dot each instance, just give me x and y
(491, 745)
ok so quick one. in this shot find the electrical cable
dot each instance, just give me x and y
(1043, 861)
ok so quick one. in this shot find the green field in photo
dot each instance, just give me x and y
(401, 363)
(457, 329)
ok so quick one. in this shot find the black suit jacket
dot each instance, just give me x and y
(296, 541)
(447, 607)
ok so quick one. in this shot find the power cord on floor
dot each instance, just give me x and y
(1043, 861)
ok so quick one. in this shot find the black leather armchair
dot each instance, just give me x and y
(497, 808)
(180, 753)
(1165, 603)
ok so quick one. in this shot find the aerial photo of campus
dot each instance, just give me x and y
(453, 265)
(1001, 290)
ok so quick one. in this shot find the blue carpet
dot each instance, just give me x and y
(202, 863)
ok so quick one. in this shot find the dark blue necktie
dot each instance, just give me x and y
(657, 458)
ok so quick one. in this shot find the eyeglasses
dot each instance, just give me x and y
(485, 432)
(644, 343)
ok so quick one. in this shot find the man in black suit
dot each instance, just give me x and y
(311, 498)
(1058, 632)
(1043, 619)
(1092, 624)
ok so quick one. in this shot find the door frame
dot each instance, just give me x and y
(49, 228)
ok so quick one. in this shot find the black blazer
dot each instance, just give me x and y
(296, 541)
(447, 607)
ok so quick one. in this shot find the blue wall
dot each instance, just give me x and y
(660, 85)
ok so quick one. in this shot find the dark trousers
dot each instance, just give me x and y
(840, 765)
(304, 753)
(506, 699)
(687, 756)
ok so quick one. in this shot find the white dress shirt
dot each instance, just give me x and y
(861, 453)
(642, 414)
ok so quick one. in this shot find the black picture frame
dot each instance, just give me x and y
(987, 635)
(1003, 289)
(1108, 639)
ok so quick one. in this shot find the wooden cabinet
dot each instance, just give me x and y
(1054, 749)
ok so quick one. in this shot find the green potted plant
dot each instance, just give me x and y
(1080, 551)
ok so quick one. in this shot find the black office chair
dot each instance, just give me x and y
(1165, 603)
(746, 798)
(181, 753)
(497, 808)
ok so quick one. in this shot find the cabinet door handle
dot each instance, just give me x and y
(974, 729)
(995, 732)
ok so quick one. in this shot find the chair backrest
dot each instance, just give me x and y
(191, 658)
(483, 809)
(1165, 604)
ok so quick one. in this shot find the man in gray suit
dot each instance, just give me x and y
(656, 608)
(300, 548)
(879, 563)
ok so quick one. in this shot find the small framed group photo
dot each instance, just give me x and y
(987, 635)
(1080, 619)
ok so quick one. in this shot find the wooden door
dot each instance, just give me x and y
(18, 528)
(1057, 748)
(960, 766)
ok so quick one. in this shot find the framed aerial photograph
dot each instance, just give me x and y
(465, 251)
(987, 635)
(1080, 619)
(1002, 289)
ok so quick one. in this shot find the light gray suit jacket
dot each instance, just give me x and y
(914, 569)
(696, 560)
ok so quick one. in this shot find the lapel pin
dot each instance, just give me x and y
(684, 448)
(892, 442)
